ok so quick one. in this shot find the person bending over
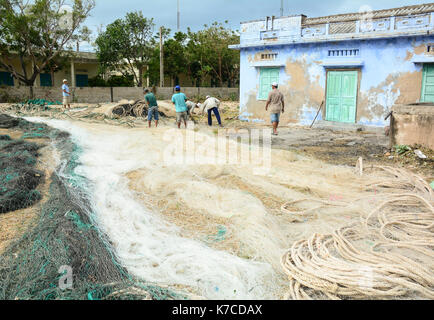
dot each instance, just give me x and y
(212, 104)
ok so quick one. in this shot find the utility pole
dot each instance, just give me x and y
(281, 8)
(161, 59)
(178, 17)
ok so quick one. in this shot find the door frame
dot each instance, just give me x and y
(258, 98)
(422, 89)
(359, 78)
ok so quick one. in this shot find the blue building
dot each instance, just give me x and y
(359, 64)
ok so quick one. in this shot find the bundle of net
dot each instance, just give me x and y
(387, 254)
(33, 267)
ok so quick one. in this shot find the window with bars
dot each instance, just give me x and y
(344, 53)
(268, 56)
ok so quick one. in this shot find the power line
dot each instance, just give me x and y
(281, 8)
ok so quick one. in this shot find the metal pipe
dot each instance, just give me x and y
(178, 17)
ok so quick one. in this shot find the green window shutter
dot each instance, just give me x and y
(46, 80)
(6, 79)
(266, 77)
(341, 96)
(428, 83)
(82, 80)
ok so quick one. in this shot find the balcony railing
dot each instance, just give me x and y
(257, 35)
(383, 25)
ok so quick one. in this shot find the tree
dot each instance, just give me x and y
(84, 35)
(209, 47)
(127, 46)
(38, 33)
(175, 62)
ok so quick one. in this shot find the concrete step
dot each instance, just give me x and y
(342, 126)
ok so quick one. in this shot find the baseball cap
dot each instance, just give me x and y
(177, 88)
(275, 84)
(64, 80)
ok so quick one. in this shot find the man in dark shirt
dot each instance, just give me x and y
(152, 107)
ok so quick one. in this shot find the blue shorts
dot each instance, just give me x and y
(153, 112)
(275, 117)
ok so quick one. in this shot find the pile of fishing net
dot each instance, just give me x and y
(388, 254)
(18, 176)
(35, 105)
(67, 234)
(135, 109)
(41, 102)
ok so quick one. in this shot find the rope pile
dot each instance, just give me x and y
(389, 253)
(136, 109)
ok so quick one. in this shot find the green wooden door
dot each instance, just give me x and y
(6, 79)
(45, 80)
(266, 78)
(82, 80)
(341, 96)
(428, 83)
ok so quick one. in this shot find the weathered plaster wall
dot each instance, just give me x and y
(388, 77)
(413, 125)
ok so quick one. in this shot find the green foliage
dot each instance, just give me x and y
(127, 45)
(97, 81)
(209, 47)
(121, 81)
(37, 32)
(199, 55)
(113, 81)
(175, 60)
(402, 149)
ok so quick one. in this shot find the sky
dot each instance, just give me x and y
(196, 13)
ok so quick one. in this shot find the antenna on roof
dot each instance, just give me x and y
(281, 8)
(178, 17)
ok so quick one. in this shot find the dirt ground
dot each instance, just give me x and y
(336, 147)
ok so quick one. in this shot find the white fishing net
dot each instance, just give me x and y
(217, 230)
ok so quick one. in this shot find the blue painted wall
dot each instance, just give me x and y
(388, 76)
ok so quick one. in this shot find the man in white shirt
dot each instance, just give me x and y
(212, 105)
(66, 94)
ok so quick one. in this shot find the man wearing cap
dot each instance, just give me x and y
(66, 94)
(211, 105)
(152, 107)
(277, 105)
(179, 100)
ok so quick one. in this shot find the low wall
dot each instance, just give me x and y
(101, 95)
(413, 124)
